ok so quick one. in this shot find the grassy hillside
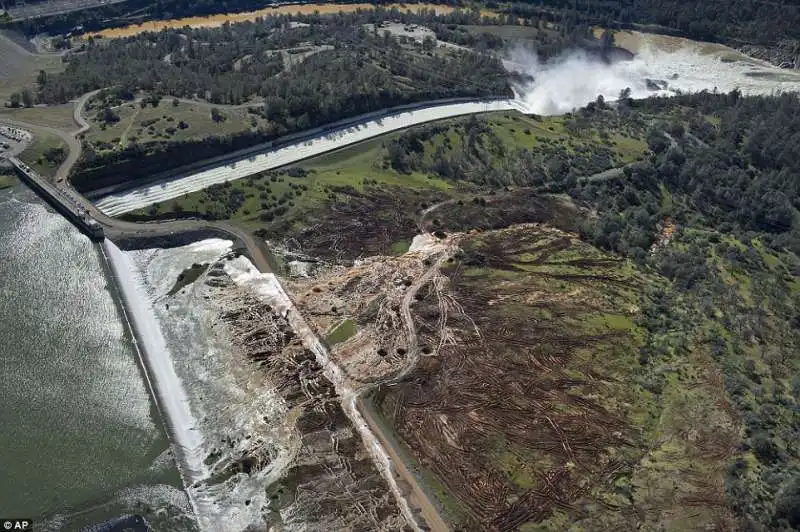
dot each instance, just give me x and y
(46, 153)
(396, 176)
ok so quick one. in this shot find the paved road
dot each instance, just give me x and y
(73, 144)
(423, 501)
(118, 229)
(122, 230)
(259, 255)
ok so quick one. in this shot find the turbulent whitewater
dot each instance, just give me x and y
(682, 66)
(218, 409)
(158, 364)
(559, 86)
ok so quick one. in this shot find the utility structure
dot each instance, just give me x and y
(70, 208)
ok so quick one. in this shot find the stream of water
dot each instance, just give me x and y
(81, 438)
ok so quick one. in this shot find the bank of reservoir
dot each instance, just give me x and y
(81, 439)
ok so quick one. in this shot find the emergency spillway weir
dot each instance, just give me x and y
(167, 388)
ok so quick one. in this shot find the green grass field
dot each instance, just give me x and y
(349, 167)
(148, 124)
(268, 198)
(341, 332)
(56, 116)
(34, 155)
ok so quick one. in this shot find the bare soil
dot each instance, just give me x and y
(331, 482)
(214, 21)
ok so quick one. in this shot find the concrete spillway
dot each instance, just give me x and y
(164, 382)
(313, 144)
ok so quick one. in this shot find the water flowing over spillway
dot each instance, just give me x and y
(662, 66)
(218, 409)
(156, 359)
(116, 204)
(561, 85)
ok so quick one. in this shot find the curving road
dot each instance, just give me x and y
(146, 195)
(130, 231)
(387, 457)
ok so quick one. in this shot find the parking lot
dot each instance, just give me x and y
(13, 141)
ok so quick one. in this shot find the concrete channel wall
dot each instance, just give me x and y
(290, 150)
(286, 140)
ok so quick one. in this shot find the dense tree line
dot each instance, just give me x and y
(723, 169)
(136, 11)
(238, 62)
(482, 158)
(738, 176)
(755, 21)
(356, 71)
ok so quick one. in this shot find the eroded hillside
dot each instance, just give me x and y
(517, 390)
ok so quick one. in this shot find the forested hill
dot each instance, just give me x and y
(714, 206)
(136, 11)
(296, 73)
(236, 63)
(733, 161)
(725, 169)
(752, 21)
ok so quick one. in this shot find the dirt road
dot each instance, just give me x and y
(418, 496)
(422, 501)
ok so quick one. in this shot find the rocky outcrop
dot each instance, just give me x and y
(656, 84)
(608, 54)
(784, 54)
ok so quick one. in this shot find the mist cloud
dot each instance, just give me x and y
(574, 79)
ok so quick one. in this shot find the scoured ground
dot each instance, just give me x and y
(527, 402)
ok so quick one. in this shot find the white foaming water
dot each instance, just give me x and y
(235, 409)
(168, 388)
(573, 80)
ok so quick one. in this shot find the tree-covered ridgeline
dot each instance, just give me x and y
(344, 68)
(733, 21)
(751, 21)
(236, 63)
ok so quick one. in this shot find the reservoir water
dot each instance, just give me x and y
(81, 439)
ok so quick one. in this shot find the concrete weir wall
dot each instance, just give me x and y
(167, 388)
